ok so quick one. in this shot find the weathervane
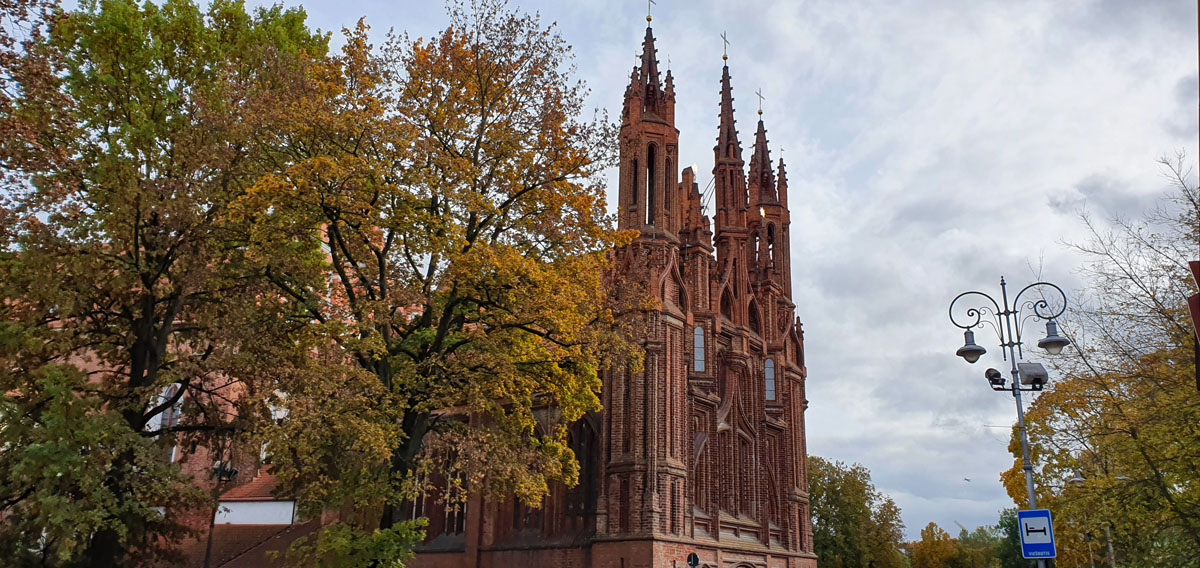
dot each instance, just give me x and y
(648, 3)
(760, 100)
(725, 50)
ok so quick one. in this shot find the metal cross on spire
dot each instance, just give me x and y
(760, 101)
(648, 4)
(725, 50)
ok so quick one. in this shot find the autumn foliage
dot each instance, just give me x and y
(208, 221)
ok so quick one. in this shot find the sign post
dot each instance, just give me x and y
(693, 560)
(1037, 533)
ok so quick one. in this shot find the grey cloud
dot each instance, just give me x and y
(1106, 194)
(1184, 121)
(1147, 16)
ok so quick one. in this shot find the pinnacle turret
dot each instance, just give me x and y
(761, 177)
(648, 77)
(781, 182)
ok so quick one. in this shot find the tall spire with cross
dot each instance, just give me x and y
(648, 149)
(729, 178)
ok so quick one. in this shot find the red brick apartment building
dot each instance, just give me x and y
(701, 452)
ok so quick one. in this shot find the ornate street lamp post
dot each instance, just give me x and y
(1008, 321)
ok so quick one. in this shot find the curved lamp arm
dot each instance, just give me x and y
(1037, 308)
(978, 313)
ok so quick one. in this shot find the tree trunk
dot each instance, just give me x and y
(415, 426)
(104, 549)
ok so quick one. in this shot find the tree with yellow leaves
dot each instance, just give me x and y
(934, 550)
(436, 211)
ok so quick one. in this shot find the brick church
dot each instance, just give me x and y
(703, 451)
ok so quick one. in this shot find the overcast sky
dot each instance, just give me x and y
(932, 146)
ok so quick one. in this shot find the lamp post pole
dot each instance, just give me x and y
(1026, 463)
(1008, 320)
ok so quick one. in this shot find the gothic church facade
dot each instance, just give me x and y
(703, 450)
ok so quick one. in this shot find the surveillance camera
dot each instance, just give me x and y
(994, 378)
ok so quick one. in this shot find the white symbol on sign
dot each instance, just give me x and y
(1036, 529)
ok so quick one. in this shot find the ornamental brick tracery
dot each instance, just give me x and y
(691, 453)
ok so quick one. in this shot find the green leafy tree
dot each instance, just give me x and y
(976, 549)
(853, 524)
(125, 289)
(1008, 549)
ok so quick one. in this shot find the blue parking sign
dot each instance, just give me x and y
(1037, 533)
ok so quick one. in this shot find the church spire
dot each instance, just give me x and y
(728, 147)
(648, 77)
(761, 177)
(730, 178)
(649, 187)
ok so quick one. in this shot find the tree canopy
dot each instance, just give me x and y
(125, 286)
(853, 523)
(446, 237)
(209, 220)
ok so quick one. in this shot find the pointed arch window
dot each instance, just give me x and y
(771, 245)
(769, 372)
(636, 174)
(754, 321)
(650, 185)
(698, 349)
(581, 499)
(667, 189)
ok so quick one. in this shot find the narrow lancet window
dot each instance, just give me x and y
(771, 245)
(698, 348)
(668, 189)
(769, 371)
(650, 185)
(635, 174)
